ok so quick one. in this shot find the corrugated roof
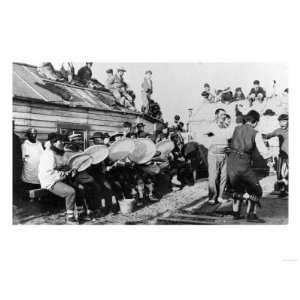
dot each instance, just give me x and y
(28, 83)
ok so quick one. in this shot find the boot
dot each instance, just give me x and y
(253, 218)
(70, 218)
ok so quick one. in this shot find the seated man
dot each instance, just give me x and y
(256, 93)
(53, 173)
(86, 186)
(119, 88)
(68, 71)
(154, 110)
(238, 94)
(179, 168)
(85, 74)
(225, 96)
(207, 94)
(111, 189)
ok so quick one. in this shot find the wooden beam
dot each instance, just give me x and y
(184, 221)
(199, 217)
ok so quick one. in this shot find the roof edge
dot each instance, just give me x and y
(24, 64)
(34, 100)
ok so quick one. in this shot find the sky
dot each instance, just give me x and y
(177, 86)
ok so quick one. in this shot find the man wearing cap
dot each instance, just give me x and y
(243, 179)
(107, 177)
(127, 129)
(86, 186)
(32, 150)
(117, 85)
(141, 131)
(256, 92)
(85, 73)
(147, 90)
(283, 136)
(53, 172)
(110, 79)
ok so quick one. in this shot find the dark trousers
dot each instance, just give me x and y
(242, 178)
(282, 159)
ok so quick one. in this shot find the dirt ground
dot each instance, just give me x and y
(190, 200)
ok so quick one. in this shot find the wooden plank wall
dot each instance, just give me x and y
(45, 118)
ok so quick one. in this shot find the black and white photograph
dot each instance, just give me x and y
(105, 143)
(146, 149)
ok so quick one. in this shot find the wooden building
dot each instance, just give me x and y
(60, 107)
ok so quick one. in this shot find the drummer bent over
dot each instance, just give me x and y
(242, 177)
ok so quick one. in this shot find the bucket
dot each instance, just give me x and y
(126, 206)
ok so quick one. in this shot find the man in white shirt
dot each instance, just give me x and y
(219, 134)
(32, 150)
(53, 173)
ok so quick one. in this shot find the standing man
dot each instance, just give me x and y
(207, 94)
(32, 150)
(219, 136)
(283, 160)
(243, 179)
(117, 85)
(147, 90)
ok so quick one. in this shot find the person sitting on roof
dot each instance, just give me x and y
(154, 110)
(68, 71)
(85, 74)
(207, 94)
(119, 88)
(176, 121)
(256, 93)
(85, 185)
(238, 94)
(47, 71)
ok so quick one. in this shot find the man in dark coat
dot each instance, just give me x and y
(243, 179)
(141, 131)
(85, 73)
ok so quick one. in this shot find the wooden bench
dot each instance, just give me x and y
(37, 194)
